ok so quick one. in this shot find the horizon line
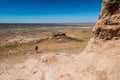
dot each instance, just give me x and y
(52, 23)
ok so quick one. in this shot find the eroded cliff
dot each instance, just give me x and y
(108, 24)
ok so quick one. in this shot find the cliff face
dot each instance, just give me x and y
(105, 43)
(108, 24)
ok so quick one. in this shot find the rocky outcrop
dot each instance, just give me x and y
(58, 35)
(62, 37)
(108, 24)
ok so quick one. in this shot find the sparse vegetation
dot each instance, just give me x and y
(26, 38)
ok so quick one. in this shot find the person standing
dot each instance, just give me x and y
(36, 49)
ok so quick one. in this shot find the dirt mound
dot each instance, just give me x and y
(58, 37)
(62, 37)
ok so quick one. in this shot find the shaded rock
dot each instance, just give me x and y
(108, 23)
(58, 35)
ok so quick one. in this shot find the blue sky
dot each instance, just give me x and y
(49, 11)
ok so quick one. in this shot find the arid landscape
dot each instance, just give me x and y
(63, 52)
(18, 42)
(18, 38)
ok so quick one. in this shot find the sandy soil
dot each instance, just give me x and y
(19, 66)
(91, 64)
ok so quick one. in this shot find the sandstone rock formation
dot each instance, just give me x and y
(108, 23)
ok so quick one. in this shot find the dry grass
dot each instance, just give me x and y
(37, 36)
(48, 45)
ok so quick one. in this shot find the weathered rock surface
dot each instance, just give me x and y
(108, 23)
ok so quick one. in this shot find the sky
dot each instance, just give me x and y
(49, 11)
